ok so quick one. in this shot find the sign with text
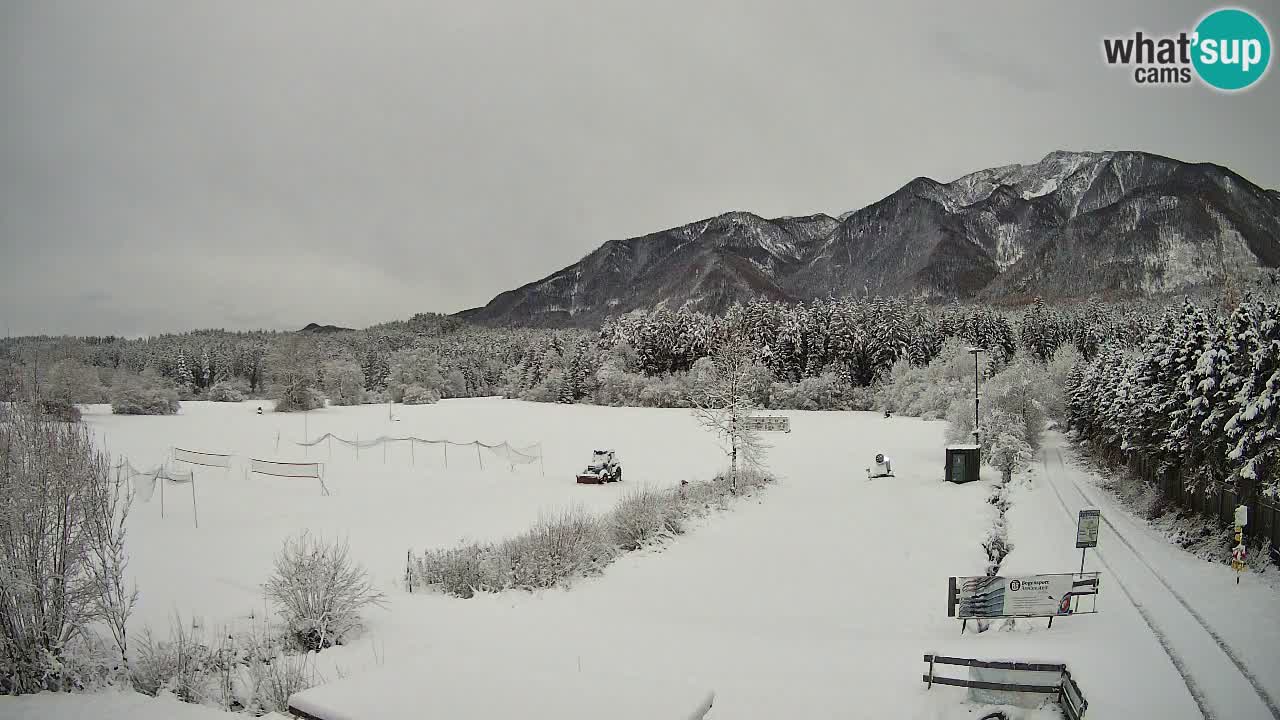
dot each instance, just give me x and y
(1023, 596)
(770, 423)
(1087, 528)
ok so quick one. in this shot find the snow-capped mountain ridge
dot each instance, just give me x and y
(1073, 224)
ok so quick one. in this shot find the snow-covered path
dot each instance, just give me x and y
(1224, 638)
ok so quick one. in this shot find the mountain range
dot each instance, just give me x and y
(1073, 225)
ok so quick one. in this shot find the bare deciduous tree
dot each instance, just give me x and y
(62, 559)
(721, 399)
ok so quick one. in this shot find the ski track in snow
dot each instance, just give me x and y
(1174, 625)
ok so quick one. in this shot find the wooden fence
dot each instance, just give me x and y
(1064, 688)
(1220, 505)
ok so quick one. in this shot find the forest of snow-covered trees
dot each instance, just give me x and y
(1188, 389)
(1198, 397)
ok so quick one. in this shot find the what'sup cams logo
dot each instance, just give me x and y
(1229, 50)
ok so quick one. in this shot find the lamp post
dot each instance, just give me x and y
(975, 351)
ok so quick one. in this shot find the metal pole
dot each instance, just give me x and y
(975, 392)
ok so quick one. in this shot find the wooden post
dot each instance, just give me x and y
(408, 573)
(413, 457)
(446, 454)
(542, 467)
(931, 672)
(161, 481)
(478, 455)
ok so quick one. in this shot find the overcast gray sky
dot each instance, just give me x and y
(169, 165)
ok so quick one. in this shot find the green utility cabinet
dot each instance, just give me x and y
(963, 463)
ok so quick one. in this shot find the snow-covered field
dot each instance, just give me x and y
(817, 598)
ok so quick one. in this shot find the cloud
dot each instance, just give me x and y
(197, 165)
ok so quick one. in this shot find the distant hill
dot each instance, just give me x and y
(1119, 225)
(324, 329)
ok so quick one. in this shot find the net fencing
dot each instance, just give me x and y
(312, 470)
(144, 481)
(196, 457)
(511, 454)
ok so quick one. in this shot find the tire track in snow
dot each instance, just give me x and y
(1193, 688)
(1263, 695)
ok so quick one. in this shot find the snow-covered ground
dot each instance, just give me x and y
(817, 598)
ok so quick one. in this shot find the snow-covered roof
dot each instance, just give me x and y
(969, 446)
(485, 689)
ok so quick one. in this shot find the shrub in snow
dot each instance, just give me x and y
(574, 544)
(554, 550)
(418, 395)
(181, 665)
(280, 678)
(228, 391)
(645, 515)
(142, 395)
(320, 590)
(62, 561)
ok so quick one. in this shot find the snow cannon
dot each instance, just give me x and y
(603, 468)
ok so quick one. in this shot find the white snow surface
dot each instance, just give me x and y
(816, 598)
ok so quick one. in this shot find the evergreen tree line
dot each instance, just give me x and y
(824, 354)
(1197, 402)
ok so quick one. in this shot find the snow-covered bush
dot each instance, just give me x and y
(670, 391)
(344, 382)
(279, 679)
(62, 561)
(320, 590)
(228, 391)
(824, 392)
(574, 544)
(142, 395)
(180, 665)
(1004, 446)
(643, 516)
(418, 395)
(555, 550)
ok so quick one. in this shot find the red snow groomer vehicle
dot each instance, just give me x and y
(603, 468)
